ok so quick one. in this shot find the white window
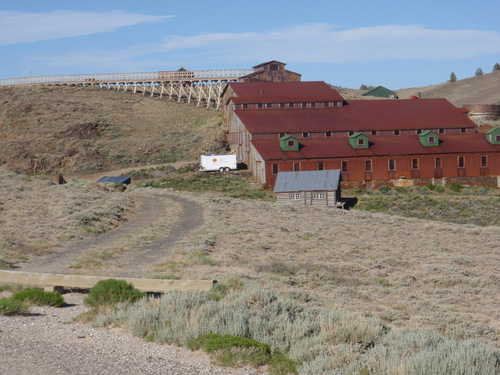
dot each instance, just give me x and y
(319, 195)
(295, 196)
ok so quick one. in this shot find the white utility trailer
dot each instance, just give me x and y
(221, 163)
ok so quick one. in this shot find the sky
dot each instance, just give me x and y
(396, 44)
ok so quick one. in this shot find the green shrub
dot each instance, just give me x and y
(10, 306)
(430, 186)
(111, 291)
(456, 187)
(439, 189)
(39, 297)
(384, 189)
(236, 351)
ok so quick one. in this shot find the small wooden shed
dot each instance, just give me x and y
(315, 188)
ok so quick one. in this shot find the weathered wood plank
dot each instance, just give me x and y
(87, 282)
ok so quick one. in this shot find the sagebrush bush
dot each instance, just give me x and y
(112, 291)
(39, 297)
(10, 306)
(324, 342)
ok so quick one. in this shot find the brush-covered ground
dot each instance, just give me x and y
(401, 259)
(428, 270)
(71, 130)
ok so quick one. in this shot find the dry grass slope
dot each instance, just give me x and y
(70, 130)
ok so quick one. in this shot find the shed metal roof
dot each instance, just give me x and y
(327, 180)
(116, 180)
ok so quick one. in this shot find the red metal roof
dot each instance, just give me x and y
(357, 115)
(339, 147)
(283, 92)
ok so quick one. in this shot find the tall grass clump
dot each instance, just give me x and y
(39, 297)
(10, 306)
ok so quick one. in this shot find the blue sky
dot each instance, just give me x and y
(397, 44)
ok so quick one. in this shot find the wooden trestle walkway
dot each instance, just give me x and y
(200, 87)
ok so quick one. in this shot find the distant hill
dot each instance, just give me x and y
(484, 89)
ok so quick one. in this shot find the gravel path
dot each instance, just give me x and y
(44, 344)
(61, 258)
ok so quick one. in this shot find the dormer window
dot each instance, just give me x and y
(269, 105)
(396, 132)
(260, 105)
(306, 135)
(429, 138)
(290, 105)
(289, 143)
(304, 105)
(493, 136)
(245, 106)
(359, 140)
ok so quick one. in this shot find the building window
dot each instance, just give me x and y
(419, 131)
(290, 105)
(295, 196)
(463, 130)
(361, 142)
(245, 106)
(374, 132)
(319, 195)
(461, 162)
(313, 105)
(414, 163)
(321, 166)
(282, 105)
(345, 166)
(497, 138)
(484, 161)
(441, 131)
(282, 135)
(431, 139)
(296, 167)
(273, 67)
(368, 165)
(306, 135)
(291, 143)
(269, 105)
(351, 132)
(437, 163)
(304, 105)
(326, 104)
(260, 105)
(392, 164)
(396, 132)
(275, 168)
(328, 134)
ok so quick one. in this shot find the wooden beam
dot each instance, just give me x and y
(58, 281)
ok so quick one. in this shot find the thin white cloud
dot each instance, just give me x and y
(16, 27)
(317, 43)
(325, 43)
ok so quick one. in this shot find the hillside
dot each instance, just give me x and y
(484, 89)
(72, 130)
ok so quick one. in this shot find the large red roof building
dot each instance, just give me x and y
(299, 126)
